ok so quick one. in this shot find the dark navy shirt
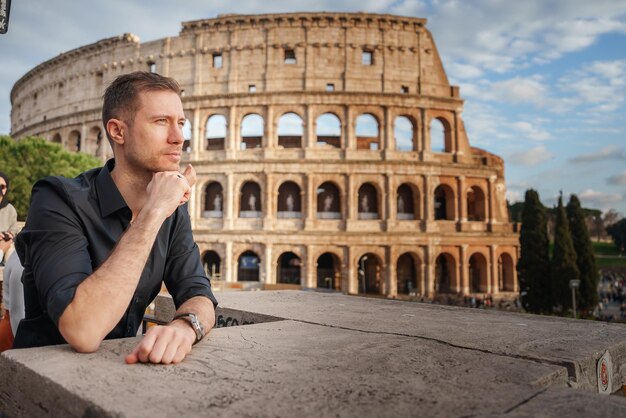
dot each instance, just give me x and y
(72, 227)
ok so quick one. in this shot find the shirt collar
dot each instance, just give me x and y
(109, 196)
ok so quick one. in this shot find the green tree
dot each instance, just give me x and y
(563, 266)
(617, 231)
(533, 266)
(31, 159)
(585, 260)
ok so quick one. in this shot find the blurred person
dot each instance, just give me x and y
(13, 299)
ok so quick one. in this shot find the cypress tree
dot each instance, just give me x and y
(585, 260)
(533, 266)
(563, 266)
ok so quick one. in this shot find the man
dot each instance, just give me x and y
(95, 249)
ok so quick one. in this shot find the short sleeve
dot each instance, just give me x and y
(184, 276)
(53, 247)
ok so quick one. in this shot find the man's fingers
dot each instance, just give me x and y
(190, 175)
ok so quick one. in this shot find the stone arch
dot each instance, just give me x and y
(289, 268)
(290, 130)
(476, 204)
(213, 200)
(370, 274)
(93, 144)
(408, 202)
(367, 132)
(289, 200)
(328, 201)
(478, 275)
(404, 133)
(328, 130)
(73, 141)
(445, 273)
(250, 200)
(252, 127)
(368, 202)
(506, 273)
(212, 263)
(216, 131)
(408, 268)
(57, 138)
(248, 267)
(444, 202)
(328, 271)
(187, 136)
(440, 130)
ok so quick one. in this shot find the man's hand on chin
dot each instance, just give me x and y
(164, 344)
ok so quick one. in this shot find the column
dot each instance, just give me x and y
(229, 201)
(465, 288)
(493, 260)
(490, 200)
(389, 140)
(429, 252)
(269, 201)
(230, 266)
(353, 274)
(232, 133)
(392, 280)
(310, 201)
(196, 140)
(269, 132)
(309, 129)
(268, 269)
(350, 138)
(461, 199)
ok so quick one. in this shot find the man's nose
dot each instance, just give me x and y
(176, 135)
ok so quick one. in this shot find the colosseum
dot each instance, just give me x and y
(330, 149)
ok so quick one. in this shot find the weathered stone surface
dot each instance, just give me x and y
(574, 344)
(283, 369)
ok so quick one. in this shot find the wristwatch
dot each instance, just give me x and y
(192, 319)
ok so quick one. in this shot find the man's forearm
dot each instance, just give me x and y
(103, 297)
(203, 308)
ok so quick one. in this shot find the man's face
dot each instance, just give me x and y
(155, 139)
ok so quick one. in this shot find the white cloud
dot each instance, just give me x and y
(618, 179)
(531, 157)
(514, 196)
(610, 152)
(531, 131)
(603, 200)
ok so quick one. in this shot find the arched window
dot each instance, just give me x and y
(187, 136)
(328, 272)
(328, 202)
(367, 135)
(212, 265)
(73, 142)
(403, 133)
(290, 131)
(445, 273)
(444, 203)
(289, 201)
(216, 127)
(252, 131)
(94, 141)
(288, 269)
(328, 130)
(213, 201)
(57, 139)
(405, 207)
(478, 273)
(475, 204)
(368, 202)
(440, 135)
(370, 275)
(406, 273)
(506, 279)
(248, 267)
(250, 203)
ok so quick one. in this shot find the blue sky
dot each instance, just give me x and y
(544, 81)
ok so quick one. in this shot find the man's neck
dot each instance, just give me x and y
(132, 186)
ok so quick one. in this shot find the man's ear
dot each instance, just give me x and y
(117, 130)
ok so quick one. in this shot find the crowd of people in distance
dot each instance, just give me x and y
(611, 291)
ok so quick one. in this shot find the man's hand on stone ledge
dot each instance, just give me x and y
(164, 344)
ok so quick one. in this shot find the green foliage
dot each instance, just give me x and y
(617, 231)
(605, 249)
(534, 263)
(585, 259)
(515, 211)
(563, 267)
(31, 159)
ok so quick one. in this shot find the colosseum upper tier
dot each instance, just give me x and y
(330, 150)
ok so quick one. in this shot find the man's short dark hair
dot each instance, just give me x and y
(121, 98)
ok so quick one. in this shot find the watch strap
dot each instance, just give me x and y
(192, 320)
